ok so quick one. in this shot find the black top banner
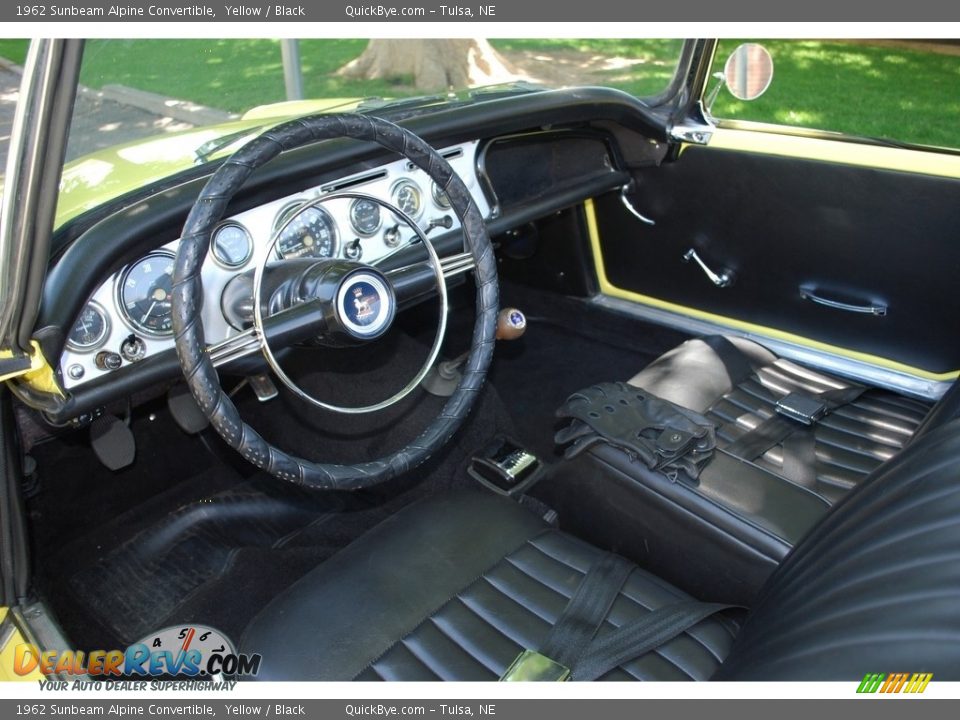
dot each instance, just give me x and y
(487, 12)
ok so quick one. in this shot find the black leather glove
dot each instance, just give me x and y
(662, 435)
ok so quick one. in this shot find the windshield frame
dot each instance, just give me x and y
(31, 183)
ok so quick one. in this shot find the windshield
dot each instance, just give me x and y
(147, 109)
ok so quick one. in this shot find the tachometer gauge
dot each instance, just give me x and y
(440, 197)
(312, 233)
(90, 330)
(365, 216)
(407, 196)
(144, 294)
(232, 245)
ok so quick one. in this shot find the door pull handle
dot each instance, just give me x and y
(877, 309)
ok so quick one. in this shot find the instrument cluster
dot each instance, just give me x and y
(129, 317)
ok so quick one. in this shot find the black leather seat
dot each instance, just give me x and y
(851, 442)
(455, 587)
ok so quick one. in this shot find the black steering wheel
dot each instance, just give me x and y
(197, 360)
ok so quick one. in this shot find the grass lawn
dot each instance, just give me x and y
(898, 93)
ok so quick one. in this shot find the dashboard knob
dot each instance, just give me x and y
(107, 360)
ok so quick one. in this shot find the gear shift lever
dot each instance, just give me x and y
(444, 377)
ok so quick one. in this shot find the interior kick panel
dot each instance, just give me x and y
(858, 235)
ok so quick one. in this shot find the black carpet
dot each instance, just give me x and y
(569, 344)
(191, 533)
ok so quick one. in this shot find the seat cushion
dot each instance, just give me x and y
(850, 442)
(455, 588)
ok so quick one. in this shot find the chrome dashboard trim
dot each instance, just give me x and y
(260, 223)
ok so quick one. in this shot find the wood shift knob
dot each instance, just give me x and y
(511, 324)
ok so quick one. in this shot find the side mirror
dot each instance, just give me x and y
(747, 73)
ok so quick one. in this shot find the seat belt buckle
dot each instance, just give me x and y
(531, 666)
(802, 407)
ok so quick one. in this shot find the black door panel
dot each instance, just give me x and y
(856, 235)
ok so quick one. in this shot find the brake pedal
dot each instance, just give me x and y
(112, 442)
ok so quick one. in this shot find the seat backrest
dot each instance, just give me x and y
(946, 409)
(874, 587)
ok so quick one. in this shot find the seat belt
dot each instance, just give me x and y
(639, 637)
(571, 649)
(735, 361)
(779, 426)
(794, 411)
(586, 610)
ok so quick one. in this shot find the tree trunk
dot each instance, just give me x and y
(433, 64)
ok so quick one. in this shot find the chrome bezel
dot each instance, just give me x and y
(356, 226)
(213, 246)
(103, 335)
(290, 211)
(122, 306)
(407, 182)
(440, 198)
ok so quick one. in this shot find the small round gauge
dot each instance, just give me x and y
(440, 197)
(365, 216)
(312, 234)
(407, 196)
(232, 245)
(144, 294)
(90, 330)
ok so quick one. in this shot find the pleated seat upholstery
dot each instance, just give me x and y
(512, 606)
(455, 588)
(850, 442)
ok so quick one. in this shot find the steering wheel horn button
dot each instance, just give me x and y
(365, 304)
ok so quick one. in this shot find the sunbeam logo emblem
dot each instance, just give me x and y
(365, 305)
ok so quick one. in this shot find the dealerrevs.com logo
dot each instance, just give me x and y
(193, 651)
(912, 683)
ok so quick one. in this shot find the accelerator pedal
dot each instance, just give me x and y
(186, 413)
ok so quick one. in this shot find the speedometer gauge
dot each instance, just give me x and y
(90, 329)
(407, 196)
(312, 233)
(144, 294)
(365, 216)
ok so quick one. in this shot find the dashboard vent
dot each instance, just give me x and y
(354, 181)
(447, 155)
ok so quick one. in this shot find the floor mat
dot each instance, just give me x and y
(192, 533)
(215, 547)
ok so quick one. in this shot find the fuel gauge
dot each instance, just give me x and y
(406, 195)
(232, 246)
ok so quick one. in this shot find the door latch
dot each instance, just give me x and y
(722, 279)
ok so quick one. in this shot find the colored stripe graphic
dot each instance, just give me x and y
(894, 683)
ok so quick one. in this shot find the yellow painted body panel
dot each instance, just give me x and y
(39, 375)
(7, 653)
(608, 288)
